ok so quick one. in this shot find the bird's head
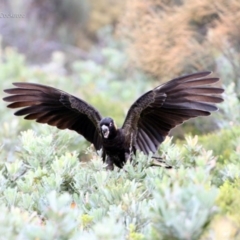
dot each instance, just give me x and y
(108, 128)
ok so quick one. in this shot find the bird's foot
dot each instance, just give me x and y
(158, 161)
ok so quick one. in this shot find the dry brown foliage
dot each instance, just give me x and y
(225, 37)
(167, 38)
(103, 12)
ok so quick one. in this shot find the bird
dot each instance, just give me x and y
(147, 122)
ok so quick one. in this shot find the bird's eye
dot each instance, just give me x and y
(110, 124)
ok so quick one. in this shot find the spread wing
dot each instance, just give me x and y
(156, 112)
(56, 108)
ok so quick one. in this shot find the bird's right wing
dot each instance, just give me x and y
(155, 113)
(56, 108)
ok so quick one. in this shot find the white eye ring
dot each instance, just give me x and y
(110, 124)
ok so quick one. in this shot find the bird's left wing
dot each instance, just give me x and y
(155, 113)
(57, 108)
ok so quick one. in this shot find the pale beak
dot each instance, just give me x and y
(105, 131)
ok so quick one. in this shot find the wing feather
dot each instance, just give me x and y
(57, 108)
(155, 113)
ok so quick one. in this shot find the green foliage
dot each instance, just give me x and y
(229, 198)
(226, 145)
(54, 195)
(187, 213)
(229, 109)
(222, 143)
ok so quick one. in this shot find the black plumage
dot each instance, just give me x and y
(148, 121)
